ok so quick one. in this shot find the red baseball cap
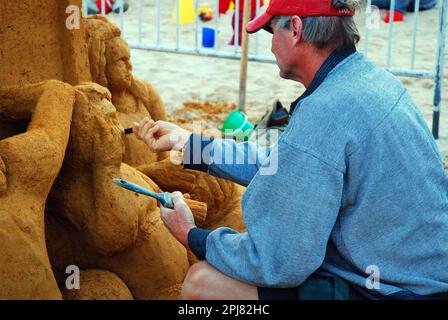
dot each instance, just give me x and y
(302, 8)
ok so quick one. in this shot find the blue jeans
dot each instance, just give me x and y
(405, 5)
(316, 287)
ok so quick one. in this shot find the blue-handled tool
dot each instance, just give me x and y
(164, 198)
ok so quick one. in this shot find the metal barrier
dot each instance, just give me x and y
(254, 55)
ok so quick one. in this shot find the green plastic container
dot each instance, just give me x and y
(237, 126)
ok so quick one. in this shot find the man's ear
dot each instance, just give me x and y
(3, 185)
(296, 27)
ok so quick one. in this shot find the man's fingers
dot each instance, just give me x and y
(154, 129)
(135, 129)
(177, 195)
(180, 220)
(165, 211)
(149, 137)
(161, 123)
(141, 125)
(145, 126)
(178, 200)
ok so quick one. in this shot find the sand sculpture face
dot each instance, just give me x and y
(118, 65)
(93, 119)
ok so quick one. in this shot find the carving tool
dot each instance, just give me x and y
(163, 198)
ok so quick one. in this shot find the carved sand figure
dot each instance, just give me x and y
(29, 163)
(135, 99)
(115, 236)
(109, 227)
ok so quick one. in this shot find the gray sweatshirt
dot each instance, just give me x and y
(355, 187)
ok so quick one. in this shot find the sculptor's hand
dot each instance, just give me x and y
(179, 220)
(161, 135)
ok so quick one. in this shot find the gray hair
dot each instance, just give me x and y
(339, 32)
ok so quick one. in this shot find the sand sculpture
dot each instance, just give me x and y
(29, 163)
(110, 66)
(109, 57)
(109, 227)
(68, 137)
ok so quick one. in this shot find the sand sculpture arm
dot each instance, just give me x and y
(33, 159)
(19, 102)
(163, 173)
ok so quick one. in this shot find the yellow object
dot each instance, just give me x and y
(186, 12)
(205, 8)
(206, 12)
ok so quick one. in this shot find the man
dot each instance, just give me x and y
(358, 205)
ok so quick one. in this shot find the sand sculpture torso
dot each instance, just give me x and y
(134, 99)
(112, 228)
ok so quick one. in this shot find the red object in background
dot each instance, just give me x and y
(108, 5)
(224, 5)
(398, 16)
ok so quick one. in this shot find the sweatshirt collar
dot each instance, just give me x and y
(332, 61)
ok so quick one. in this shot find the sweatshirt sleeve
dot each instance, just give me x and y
(224, 158)
(289, 216)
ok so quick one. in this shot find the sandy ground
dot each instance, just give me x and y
(184, 78)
